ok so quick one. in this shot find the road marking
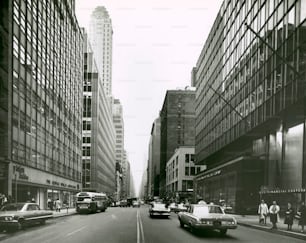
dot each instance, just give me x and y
(140, 233)
(73, 232)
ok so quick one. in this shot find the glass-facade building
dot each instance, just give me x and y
(250, 104)
(41, 66)
(98, 147)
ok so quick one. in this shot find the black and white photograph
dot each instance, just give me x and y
(152, 121)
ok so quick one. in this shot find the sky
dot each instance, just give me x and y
(156, 43)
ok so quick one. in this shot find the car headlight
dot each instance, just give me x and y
(206, 222)
(8, 218)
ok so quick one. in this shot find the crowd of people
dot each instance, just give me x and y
(273, 212)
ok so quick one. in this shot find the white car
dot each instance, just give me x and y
(159, 209)
(201, 217)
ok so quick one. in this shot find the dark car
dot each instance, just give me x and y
(203, 216)
(14, 216)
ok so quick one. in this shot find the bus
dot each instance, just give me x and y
(91, 202)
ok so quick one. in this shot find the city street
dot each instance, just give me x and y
(133, 225)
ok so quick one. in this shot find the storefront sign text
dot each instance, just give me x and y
(296, 190)
(56, 183)
(217, 172)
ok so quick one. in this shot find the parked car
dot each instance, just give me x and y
(136, 204)
(14, 216)
(159, 209)
(201, 217)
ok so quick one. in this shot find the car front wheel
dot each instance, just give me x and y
(181, 224)
(223, 231)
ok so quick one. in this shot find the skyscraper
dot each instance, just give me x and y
(101, 37)
(41, 62)
(119, 129)
(98, 130)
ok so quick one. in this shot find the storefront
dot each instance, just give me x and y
(283, 196)
(29, 184)
(235, 183)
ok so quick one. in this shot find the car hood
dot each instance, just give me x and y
(9, 213)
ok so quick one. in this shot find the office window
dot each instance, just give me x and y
(187, 172)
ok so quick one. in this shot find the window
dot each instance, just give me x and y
(187, 172)
(192, 170)
(186, 158)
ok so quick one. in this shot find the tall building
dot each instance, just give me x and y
(154, 160)
(250, 105)
(101, 38)
(41, 63)
(177, 120)
(125, 176)
(98, 158)
(119, 129)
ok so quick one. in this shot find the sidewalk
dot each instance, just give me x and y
(64, 212)
(253, 222)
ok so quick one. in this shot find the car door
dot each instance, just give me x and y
(185, 216)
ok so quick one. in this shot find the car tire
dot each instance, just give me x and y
(223, 231)
(42, 222)
(21, 224)
(181, 224)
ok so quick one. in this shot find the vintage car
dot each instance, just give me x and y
(159, 209)
(203, 216)
(14, 216)
(136, 204)
(180, 208)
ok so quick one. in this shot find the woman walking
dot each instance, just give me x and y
(302, 214)
(289, 217)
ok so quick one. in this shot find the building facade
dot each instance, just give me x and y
(98, 149)
(119, 129)
(180, 172)
(41, 65)
(154, 160)
(250, 105)
(101, 38)
(177, 123)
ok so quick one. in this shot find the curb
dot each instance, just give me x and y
(280, 232)
(64, 215)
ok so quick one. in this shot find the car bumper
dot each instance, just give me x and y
(212, 227)
(160, 213)
(9, 224)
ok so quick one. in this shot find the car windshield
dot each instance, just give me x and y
(204, 210)
(12, 207)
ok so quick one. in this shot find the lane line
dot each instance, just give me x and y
(137, 221)
(73, 232)
(141, 229)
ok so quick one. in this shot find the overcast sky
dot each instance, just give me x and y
(155, 45)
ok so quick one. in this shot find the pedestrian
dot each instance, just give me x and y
(58, 205)
(302, 215)
(289, 216)
(274, 210)
(263, 211)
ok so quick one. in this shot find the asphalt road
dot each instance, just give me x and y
(131, 225)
